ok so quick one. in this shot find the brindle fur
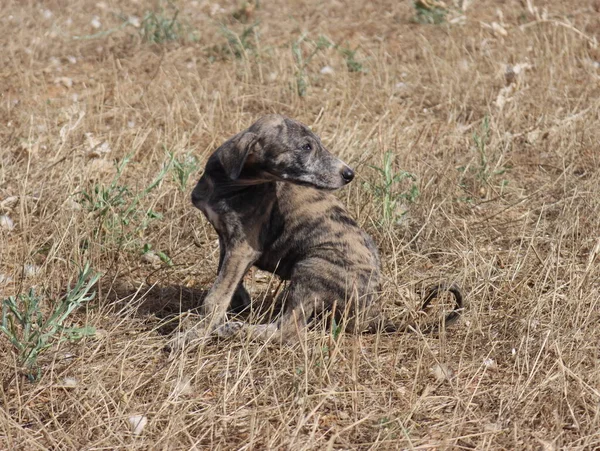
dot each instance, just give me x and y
(265, 191)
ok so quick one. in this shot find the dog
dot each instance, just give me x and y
(267, 193)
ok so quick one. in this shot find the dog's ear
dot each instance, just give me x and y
(233, 153)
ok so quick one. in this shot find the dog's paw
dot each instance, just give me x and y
(229, 329)
(264, 332)
(187, 339)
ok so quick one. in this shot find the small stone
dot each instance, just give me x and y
(100, 333)
(151, 258)
(135, 21)
(72, 204)
(100, 150)
(182, 388)
(138, 423)
(442, 372)
(69, 382)
(65, 81)
(343, 415)
(498, 29)
(490, 363)
(9, 203)
(327, 70)
(30, 270)
(95, 23)
(6, 223)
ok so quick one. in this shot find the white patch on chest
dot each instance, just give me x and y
(212, 215)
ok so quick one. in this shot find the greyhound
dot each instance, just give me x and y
(266, 192)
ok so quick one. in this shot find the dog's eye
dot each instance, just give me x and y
(307, 147)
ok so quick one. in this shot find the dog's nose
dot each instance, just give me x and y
(347, 174)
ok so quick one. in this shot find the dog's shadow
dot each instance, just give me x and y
(163, 306)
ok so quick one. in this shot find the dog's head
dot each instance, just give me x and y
(282, 149)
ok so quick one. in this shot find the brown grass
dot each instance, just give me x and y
(520, 233)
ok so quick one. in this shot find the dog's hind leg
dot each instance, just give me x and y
(310, 285)
(299, 305)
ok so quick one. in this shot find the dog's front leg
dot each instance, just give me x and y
(238, 258)
(241, 298)
(236, 261)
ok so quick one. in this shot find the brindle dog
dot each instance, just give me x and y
(266, 193)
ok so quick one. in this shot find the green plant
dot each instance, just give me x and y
(159, 26)
(117, 209)
(303, 61)
(183, 168)
(481, 140)
(336, 329)
(31, 332)
(429, 12)
(239, 44)
(246, 10)
(352, 63)
(483, 173)
(160, 254)
(387, 189)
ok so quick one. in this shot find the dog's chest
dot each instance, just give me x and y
(211, 215)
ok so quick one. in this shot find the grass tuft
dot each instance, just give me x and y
(32, 332)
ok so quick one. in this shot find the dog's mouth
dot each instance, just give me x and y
(317, 184)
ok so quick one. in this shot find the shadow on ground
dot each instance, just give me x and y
(166, 304)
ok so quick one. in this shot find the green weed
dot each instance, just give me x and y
(239, 45)
(352, 64)
(388, 191)
(117, 209)
(160, 26)
(183, 168)
(302, 60)
(481, 140)
(31, 332)
(426, 13)
(483, 173)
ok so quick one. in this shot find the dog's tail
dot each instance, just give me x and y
(385, 325)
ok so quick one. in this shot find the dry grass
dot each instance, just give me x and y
(516, 225)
